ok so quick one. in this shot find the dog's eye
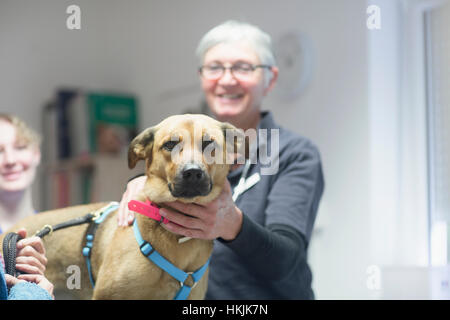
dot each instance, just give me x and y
(169, 145)
(206, 143)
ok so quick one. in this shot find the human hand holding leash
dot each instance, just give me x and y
(39, 279)
(30, 259)
(30, 254)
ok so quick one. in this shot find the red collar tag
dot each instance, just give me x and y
(148, 209)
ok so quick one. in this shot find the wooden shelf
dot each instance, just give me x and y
(86, 179)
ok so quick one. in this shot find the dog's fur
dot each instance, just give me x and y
(119, 268)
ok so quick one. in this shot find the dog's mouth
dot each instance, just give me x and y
(186, 190)
(190, 181)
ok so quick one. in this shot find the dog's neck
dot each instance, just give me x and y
(155, 229)
(181, 239)
(167, 244)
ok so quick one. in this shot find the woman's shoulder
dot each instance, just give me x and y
(293, 144)
(288, 140)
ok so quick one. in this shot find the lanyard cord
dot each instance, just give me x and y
(239, 188)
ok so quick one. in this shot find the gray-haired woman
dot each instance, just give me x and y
(262, 222)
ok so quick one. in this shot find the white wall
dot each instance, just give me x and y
(147, 47)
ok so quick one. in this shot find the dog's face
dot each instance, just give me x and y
(187, 157)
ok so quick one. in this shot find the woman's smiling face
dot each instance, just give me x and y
(228, 97)
(18, 159)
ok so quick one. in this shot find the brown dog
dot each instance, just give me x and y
(176, 169)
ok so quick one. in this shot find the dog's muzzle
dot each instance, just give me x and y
(191, 181)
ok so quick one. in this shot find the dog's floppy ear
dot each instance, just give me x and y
(237, 143)
(141, 147)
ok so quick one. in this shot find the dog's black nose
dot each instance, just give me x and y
(192, 173)
(191, 181)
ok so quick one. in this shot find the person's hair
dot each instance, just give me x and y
(24, 133)
(234, 31)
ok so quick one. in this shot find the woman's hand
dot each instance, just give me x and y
(11, 281)
(30, 254)
(219, 218)
(30, 259)
(125, 217)
(40, 280)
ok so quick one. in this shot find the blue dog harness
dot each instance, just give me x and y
(180, 275)
(146, 249)
(101, 215)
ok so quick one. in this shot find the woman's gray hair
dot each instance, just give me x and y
(234, 31)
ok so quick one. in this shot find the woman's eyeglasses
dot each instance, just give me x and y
(241, 71)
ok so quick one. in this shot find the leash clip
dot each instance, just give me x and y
(98, 213)
(95, 215)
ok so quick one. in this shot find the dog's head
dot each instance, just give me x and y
(187, 157)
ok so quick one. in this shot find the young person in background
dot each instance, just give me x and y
(20, 156)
